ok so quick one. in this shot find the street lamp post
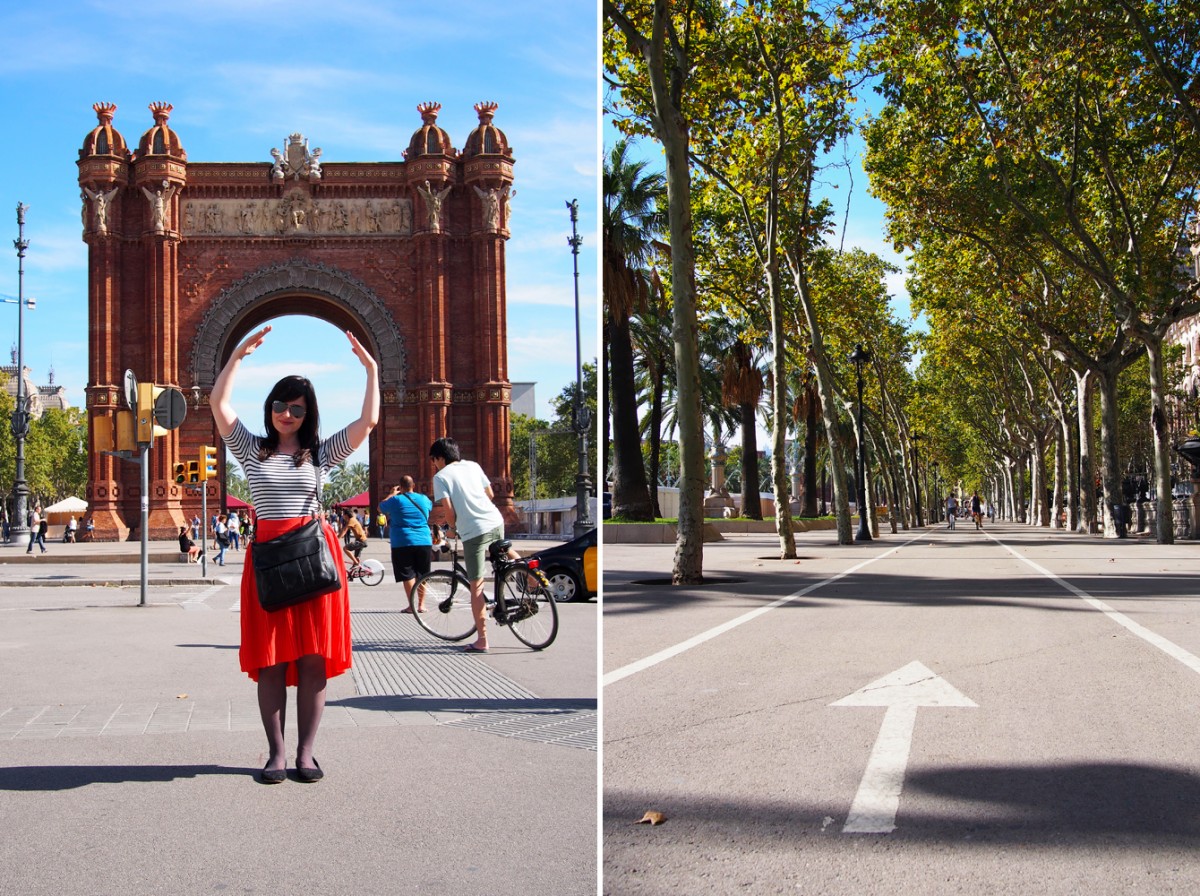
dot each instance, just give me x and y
(20, 417)
(916, 439)
(860, 356)
(580, 416)
(935, 505)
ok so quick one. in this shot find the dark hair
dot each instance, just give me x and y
(289, 389)
(445, 449)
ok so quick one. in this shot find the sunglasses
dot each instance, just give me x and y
(297, 410)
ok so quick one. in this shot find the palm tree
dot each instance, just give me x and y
(654, 364)
(632, 217)
(742, 387)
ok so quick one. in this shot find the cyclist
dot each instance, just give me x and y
(354, 535)
(464, 492)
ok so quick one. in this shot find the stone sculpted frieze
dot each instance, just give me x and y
(297, 213)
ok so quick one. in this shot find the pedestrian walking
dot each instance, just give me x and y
(221, 532)
(977, 511)
(305, 644)
(407, 515)
(37, 530)
(951, 510)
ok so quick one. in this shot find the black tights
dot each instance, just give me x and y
(310, 704)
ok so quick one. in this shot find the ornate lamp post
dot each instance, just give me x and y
(581, 416)
(20, 417)
(860, 356)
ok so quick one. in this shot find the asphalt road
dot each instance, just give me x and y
(1002, 712)
(129, 744)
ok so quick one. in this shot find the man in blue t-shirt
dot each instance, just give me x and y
(412, 544)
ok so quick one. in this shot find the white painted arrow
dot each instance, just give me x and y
(874, 808)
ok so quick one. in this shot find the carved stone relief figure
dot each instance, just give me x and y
(296, 212)
(433, 205)
(490, 199)
(158, 205)
(295, 160)
(100, 201)
(277, 174)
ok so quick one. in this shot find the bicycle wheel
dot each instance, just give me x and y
(532, 612)
(447, 601)
(372, 572)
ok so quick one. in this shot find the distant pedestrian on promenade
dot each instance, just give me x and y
(221, 532)
(951, 510)
(977, 511)
(37, 530)
(407, 518)
(306, 644)
(235, 531)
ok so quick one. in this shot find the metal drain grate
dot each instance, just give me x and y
(567, 727)
(393, 656)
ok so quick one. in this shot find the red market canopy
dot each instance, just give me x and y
(363, 499)
(235, 503)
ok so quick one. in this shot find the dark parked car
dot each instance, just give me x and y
(571, 567)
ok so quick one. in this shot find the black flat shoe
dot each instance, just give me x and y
(273, 775)
(310, 775)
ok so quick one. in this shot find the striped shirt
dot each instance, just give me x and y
(282, 490)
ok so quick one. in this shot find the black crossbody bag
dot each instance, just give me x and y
(296, 566)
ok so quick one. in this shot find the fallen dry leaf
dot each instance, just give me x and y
(181, 696)
(651, 817)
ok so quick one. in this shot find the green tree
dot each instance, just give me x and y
(56, 456)
(650, 53)
(235, 482)
(345, 481)
(772, 102)
(1060, 125)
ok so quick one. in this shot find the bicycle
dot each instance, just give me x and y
(369, 572)
(522, 599)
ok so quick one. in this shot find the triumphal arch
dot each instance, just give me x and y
(185, 258)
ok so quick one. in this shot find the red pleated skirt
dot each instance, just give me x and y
(318, 626)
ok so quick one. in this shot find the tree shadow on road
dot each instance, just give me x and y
(1068, 804)
(70, 777)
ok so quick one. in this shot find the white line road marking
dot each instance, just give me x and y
(1170, 648)
(903, 692)
(666, 654)
(198, 601)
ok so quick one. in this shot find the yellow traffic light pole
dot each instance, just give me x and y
(153, 411)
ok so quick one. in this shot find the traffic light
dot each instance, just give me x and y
(159, 410)
(102, 433)
(180, 470)
(126, 429)
(193, 471)
(208, 462)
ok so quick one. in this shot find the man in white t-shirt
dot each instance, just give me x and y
(464, 492)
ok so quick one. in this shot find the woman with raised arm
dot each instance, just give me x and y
(306, 644)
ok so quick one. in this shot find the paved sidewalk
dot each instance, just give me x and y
(130, 743)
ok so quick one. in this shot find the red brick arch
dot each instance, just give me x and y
(187, 257)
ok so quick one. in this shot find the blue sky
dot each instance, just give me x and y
(242, 75)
